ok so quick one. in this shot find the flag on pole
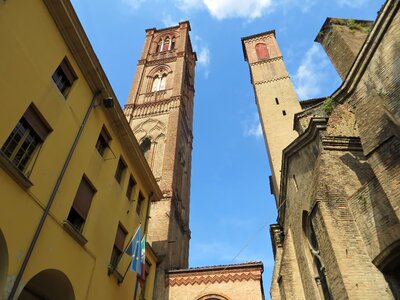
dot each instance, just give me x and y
(134, 250)
(143, 258)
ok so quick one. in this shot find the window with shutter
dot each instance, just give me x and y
(120, 170)
(118, 247)
(81, 205)
(64, 76)
(25, 140)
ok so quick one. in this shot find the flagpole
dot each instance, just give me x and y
(127, 245)
(120, 257)
(136, 286)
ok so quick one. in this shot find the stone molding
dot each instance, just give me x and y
(152, 108)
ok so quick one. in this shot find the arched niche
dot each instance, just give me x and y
(48, 284)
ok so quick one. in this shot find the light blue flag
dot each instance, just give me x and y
(134, 250)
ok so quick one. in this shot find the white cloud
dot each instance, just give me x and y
(186, 5)
(252, 127)
(168, 21)
(203, 57)
(203, 54)
(352, 3)
(134, 4)
(311, 73)
(249, 9)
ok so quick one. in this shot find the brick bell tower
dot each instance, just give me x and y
(160, 112)
(276, 98)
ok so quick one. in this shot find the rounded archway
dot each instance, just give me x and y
(3, 262)
(48, 284)
(213, 297)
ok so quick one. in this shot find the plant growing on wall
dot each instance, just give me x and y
(328, 106)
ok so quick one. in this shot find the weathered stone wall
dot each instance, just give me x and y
(377, 110)
(343, 41)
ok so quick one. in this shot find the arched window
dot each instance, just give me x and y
(166, 44)
(314, 255)
(145, 146)
(262, 51)
(156, 84)
(172, 45)
(163, 80)
(159, 47)
(159, 83)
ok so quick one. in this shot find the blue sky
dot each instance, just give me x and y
(231, 207)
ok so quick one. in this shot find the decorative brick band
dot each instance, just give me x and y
(272, 80)
(158, 107)
(160, 61)
(218, 278)
(261, 62)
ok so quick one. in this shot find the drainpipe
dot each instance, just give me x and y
(51, 200)
(148, 212)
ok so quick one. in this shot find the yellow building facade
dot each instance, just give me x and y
(74, 184)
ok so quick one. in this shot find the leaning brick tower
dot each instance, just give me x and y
(276, 98)
(160, 112)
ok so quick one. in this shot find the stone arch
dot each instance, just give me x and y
(48, 284)
(388, 262)
(154, 131)
(3, 262)
(213, 297)
(160, 69)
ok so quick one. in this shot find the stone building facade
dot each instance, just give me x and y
(160, 112)
(338, 230)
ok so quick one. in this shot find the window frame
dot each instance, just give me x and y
(130, 188)
(103, 141)
(81, 205)
(64, 72)
(119, 172)
(262, 51)
(32, 129)
(118, 247)
(139, 205)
